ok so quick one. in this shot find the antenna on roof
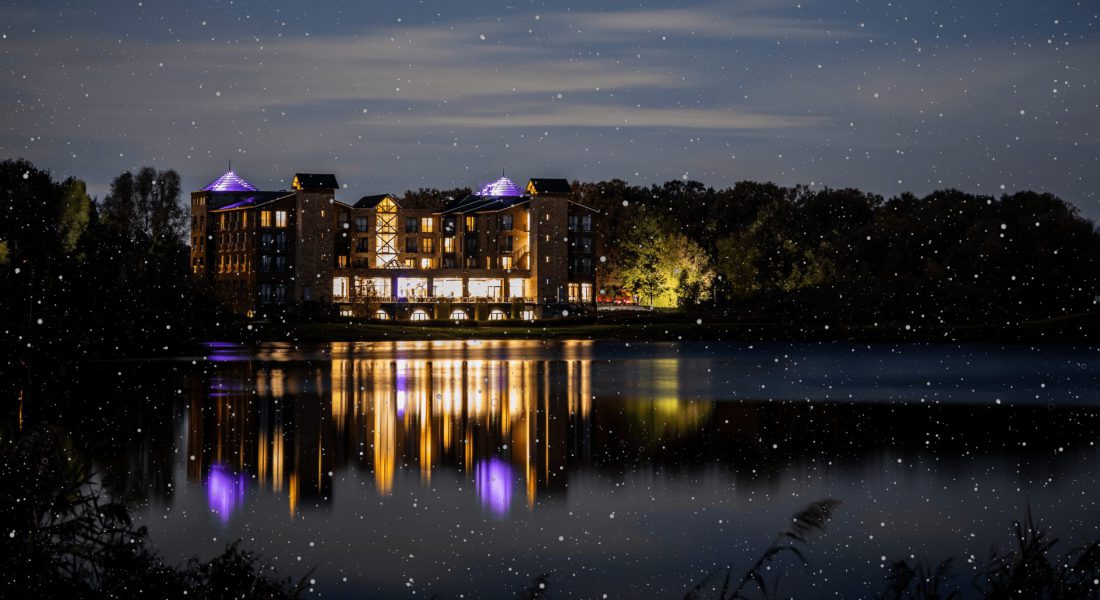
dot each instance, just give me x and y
(502, 171)
(231, 165)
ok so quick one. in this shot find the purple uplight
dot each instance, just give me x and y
(493, 479)
(224, 491)
(502, 187)
(230, 182)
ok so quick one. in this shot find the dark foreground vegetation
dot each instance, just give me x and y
(64, 538)
(755, 261)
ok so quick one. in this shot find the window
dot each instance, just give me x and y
(280, 264)
(411, 225)
(419, 315)
(586, 245)
(362, 244)
(280, 240)
(506, 244)
(448, 244)
(340, 289)
(345, 312)
(362, 224)
(573, 222)
(427, 245)
(516, 287)
(449, 262)
(574, 292)
(280, 218)
(506, 262)
(280, 293)
(425, 263)
(342, 261)
(586, 292)
(527, 315)
(506, 222)
(265, 293)
(470, 243)
(449, 225)
(496, 315)
(265, 263)
(410, 245)
(381, 315)
(410, 263)
(471, 223)
(266, 241)
(586, 223)
(458, 315)
(427, 225)
(244, 220)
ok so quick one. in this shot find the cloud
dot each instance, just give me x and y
(719, 22)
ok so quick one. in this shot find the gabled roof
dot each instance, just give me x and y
(257, 199)
(475, 203)
(229, 182)
(304, 181)
(543, 185)
(372, 201)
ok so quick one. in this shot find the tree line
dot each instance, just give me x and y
(796, 252)
(78, 274)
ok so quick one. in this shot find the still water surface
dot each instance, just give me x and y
(467, 468)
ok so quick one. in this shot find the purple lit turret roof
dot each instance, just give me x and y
(230, 182)
(502, 187)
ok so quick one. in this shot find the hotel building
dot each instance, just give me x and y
(500, 253)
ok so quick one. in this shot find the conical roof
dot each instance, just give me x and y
(229, 182)
(502, 187)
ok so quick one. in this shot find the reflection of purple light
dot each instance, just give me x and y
(493, 479)
(402, 384)
(229, 182)
(224, 491)
(501, 187)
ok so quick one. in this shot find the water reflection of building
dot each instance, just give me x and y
(425, 406)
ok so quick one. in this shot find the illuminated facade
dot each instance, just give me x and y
(501, 253)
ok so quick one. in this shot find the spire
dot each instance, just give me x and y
(229, 182)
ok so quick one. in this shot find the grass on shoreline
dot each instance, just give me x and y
(670, 326)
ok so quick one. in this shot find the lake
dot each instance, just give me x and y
(467, 468)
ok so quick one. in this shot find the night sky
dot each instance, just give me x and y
(885, 96)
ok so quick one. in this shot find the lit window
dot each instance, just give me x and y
(516, 287)
(381, 315)
(345, 312)
(458, 315)
(340, 289)
(427, 225)
(448, 244)
(427, 245)
(342, 261)
(471, 223)
(419, 315)
(506, 262)
(527, 315)
(586, 292)
(425, 263)
(574, 292)
(496, 315)
(280, 218)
